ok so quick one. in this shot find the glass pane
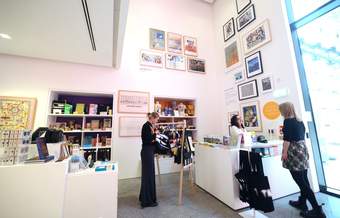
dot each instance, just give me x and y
(303, 7)
(320, 47)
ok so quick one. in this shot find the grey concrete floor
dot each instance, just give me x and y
(198, 203)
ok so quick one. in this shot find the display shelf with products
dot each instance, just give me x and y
(85, 118)
(177, 109)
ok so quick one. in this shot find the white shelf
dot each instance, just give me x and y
(97, 130)
(87, 131)
(79, 115)
(188, 117)
(89, 148)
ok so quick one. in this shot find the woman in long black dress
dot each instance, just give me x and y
(295, 159)
(147, 196)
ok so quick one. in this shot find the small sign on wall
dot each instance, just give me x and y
(133, 102)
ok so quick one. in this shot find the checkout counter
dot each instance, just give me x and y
(216, 166)
(49, 190)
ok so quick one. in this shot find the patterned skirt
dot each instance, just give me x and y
(298, 156)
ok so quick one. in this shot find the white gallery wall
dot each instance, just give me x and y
(277, 58)
(33, 77)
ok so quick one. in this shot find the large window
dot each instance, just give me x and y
(315, 26)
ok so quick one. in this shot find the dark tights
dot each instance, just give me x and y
(301, 179)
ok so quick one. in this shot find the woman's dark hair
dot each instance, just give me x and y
(233, 121)
(152, 115)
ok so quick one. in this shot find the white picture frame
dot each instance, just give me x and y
(266, 84)
(151, 59)
(175, 62)
(256, 37)
(248, 90)
(196, 65)
(251, 116)
(232, 55)
(190, 46)
(131, 126)
(133, 102)
(239, 75)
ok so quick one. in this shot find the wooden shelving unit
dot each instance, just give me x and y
(83, 133)
(190, 116)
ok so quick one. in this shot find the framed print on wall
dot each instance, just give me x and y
(267, 84)
(175, 62)
(228, 29)
(130, 126)
(247, 90)
(174, 43)
(241, 5)
(245, 18)
(196, 65)
(133, 102)
(239, 76)
(190, 45)
(17, 113)
(257, 37)
(254, 64)
(251, 116)
(151, 58)
(157, 39)
(232, 55)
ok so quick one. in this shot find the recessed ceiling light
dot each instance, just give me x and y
(5, 36)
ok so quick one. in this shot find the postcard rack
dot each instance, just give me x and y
(183, 167)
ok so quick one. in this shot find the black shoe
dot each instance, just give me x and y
(299, 204)
(314, 213)
(155, 204)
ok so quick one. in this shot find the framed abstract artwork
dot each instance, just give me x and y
(239, 76)
(229, 29)
(241, 5)
(254, 64)
(174, 43)
(251, 115)
(245, 18)
(190, 45)
(151, 58)
(232, 55)
(133, 102)
(175, 62)
(131, 126)
(267, 84)
(157, 39)
(257, 37)
(248, 90)
(17, 113)
(196, 65)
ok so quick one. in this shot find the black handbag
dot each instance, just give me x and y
(51, 135)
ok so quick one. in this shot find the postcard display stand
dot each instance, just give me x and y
(88, 123)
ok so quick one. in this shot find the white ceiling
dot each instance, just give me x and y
(57, 30)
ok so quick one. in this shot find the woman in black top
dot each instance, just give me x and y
(147, 196)
(295, 159)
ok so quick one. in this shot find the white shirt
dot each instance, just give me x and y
(235, 134)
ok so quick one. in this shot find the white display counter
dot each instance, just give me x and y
(215, 168)
(48, 190)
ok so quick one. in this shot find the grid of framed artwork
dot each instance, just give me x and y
(246, 63)
(172, 50)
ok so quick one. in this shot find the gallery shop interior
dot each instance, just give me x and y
(90, 71)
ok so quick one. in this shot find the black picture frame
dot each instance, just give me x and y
(258, 53)
(238, 9)
(226, 38)
(246, 83)
(239, 28)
